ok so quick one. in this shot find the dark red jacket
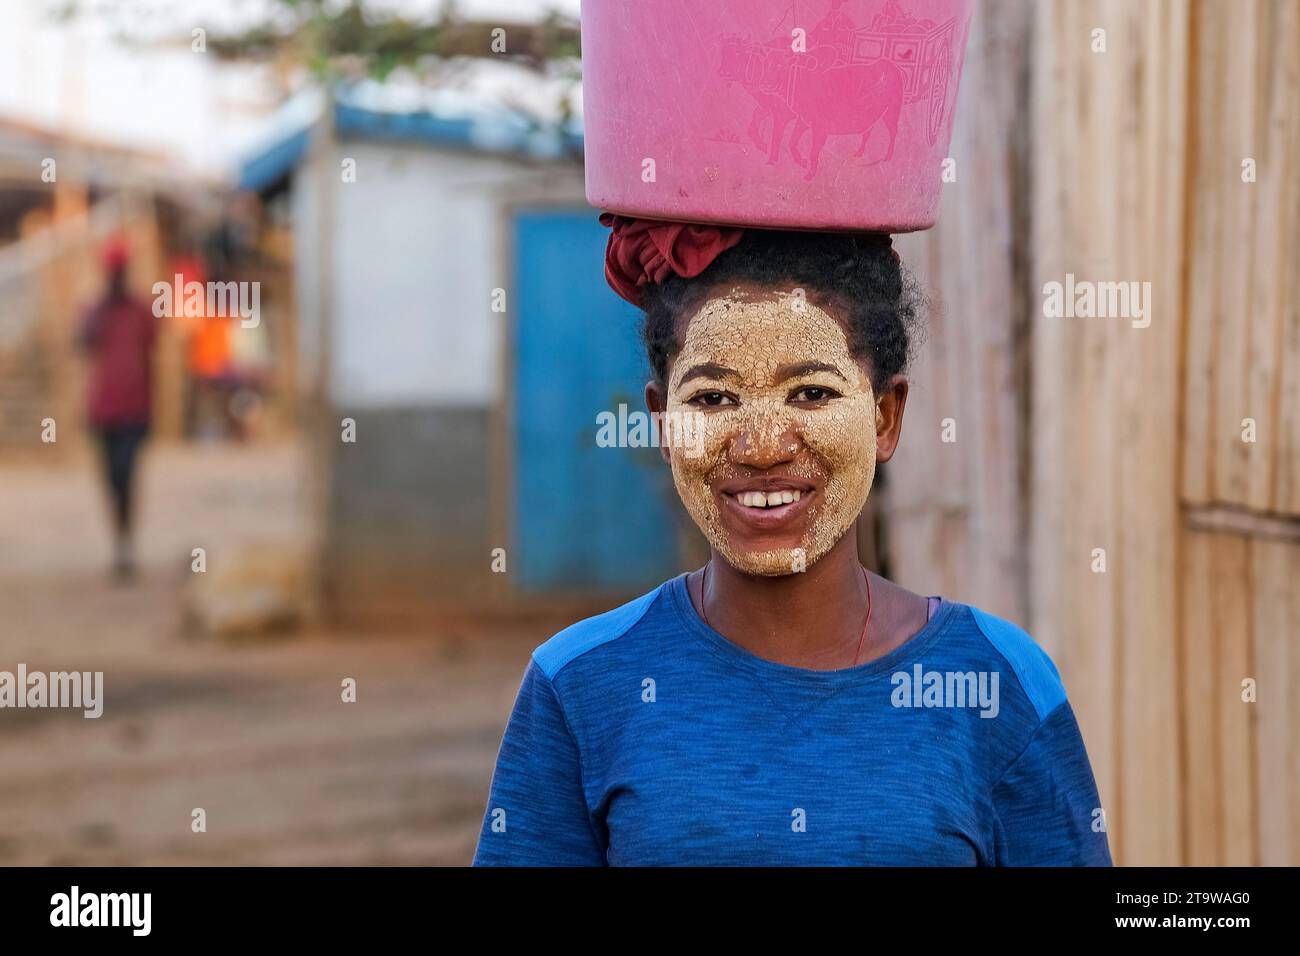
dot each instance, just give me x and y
(119, 334)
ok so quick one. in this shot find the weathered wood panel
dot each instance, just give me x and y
(1108, 194)
(1202, 771)
(1275, 569)
(1243, 322)
(956, 509)
(1242, 773)
(1079, 438)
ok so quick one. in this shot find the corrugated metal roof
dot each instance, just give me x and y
(471, 114)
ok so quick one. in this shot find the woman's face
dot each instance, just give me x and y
(788, 420)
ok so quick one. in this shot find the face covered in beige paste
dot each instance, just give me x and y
(783, 404)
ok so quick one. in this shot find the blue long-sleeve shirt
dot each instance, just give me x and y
(644, 737)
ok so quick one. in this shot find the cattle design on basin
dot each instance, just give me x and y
(846, 80)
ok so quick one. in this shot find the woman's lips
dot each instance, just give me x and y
(768, 517)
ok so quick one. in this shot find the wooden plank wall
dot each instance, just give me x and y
(1109, 140)
(1243, 323)
(1241, 353)
(1077, 434)
(957, 510)
(1275, 632)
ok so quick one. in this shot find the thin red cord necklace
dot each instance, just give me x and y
(865, 624)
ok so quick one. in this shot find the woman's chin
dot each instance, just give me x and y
(767, 562)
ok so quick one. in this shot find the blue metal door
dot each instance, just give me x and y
(586, 518)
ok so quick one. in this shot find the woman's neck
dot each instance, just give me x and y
(811, 619)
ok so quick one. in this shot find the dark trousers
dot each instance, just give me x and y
(121, 445)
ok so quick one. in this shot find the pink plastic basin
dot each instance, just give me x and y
(805, 114)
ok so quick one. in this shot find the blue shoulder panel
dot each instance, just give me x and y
(576, 639)
(1035, 670)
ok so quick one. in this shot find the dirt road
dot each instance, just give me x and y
(253, 732)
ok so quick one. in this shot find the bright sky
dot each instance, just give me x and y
(77, 76)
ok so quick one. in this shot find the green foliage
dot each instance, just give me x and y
(353, 40)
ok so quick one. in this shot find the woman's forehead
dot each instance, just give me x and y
(727, 317)
(755, 333)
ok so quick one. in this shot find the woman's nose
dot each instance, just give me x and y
(765, 442)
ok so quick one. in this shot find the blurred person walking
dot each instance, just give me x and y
(118, 333)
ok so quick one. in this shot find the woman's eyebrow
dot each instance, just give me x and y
(787, 372)
(708, 370)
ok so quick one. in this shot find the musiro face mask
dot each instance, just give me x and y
(831, 443)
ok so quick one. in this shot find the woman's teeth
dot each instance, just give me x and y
(757, 499)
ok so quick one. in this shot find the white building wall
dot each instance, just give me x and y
(416, 259)
(417, 245)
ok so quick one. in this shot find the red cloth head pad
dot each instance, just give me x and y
(641, 251)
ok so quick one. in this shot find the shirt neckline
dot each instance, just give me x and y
(913, 647)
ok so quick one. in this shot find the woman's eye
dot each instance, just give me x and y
(813, 393)
(713, 399)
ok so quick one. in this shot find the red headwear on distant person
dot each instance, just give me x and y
(115, 253)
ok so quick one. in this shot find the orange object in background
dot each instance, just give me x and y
(190, 268)
(209, 351)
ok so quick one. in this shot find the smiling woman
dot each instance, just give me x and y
(783, 705)
(785, 383)
(769, 365)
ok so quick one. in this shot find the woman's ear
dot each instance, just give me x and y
(889, 417)
(656, 399)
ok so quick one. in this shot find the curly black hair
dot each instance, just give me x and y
(857, 271)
